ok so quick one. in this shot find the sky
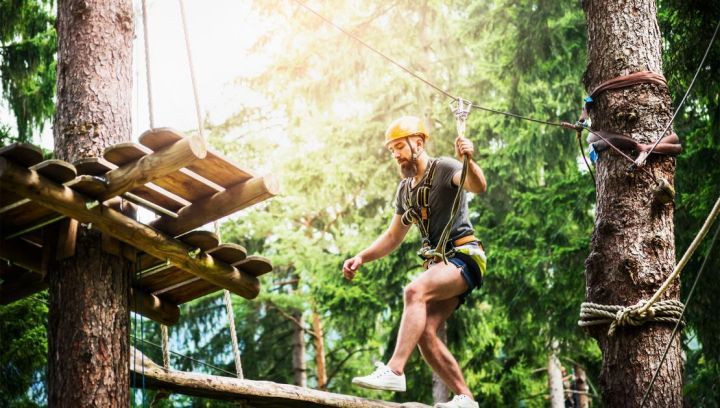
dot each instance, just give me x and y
(220, 33)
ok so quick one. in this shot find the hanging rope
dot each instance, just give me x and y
(231, 319)
(652, 310)
(165, 347)
(148, 77)
(192, 68)
(675, 329)
(677, 110)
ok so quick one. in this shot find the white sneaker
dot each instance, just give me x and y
(460, 401)
(383, 378)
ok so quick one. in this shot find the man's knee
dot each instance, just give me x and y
(413, 293)
(428, 340)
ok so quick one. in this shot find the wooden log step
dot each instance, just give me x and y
(188, 185)
(32, 185)
(204, 240)
(214, 167)
(187, 291)
(22, 154)
(260, 394)
(56, 170)
(153, 307)
(229, 253)
(124, 153)
(233, 199)
(157, 282)
(96, 188)
(255, 265)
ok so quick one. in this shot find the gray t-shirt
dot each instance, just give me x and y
(442, 194)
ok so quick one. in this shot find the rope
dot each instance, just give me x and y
(413, 74)
(186, 357)
(675, 329)
(461, 112)
(677, 110)
(231, 319)
(593, 314)
(192, 68)
(668, 311)
(148, 77)
(165, 347)
(233, 334)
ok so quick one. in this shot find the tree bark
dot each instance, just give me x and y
(632, 248)
(298, 351)
(440, 390)
(555, 382)
(580, 385)
(319, 351)
(88, 335)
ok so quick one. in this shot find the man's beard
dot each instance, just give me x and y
(409, 168)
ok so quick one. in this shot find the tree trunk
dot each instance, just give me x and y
(632, 248)
(88, 341)
(580, 397)
(440, 390)
(555, 382)
(298, 351)
(319, 351)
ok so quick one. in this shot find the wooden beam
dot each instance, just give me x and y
(22, 286)
(219, 205)
(22, 253)
(255, 393)
(153, 307)
(154, 166)
(64, 200)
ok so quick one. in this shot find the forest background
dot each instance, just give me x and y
(322, 104)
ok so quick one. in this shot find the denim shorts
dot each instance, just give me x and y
(470, 271)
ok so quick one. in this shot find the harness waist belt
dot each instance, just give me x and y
(465, 240)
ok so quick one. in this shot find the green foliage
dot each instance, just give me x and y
(28, 43)
(23, 355)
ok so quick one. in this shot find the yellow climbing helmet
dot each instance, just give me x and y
(406, 126)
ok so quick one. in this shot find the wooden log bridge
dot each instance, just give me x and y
(29, 184)
(177, 177)
(258, 394)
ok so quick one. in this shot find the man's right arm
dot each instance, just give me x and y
(383, 245)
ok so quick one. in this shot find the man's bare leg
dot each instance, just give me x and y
(439, 282)
(436, 352)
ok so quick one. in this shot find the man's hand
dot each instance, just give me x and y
(463, 146)
(351, 266)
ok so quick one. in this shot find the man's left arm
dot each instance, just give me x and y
(475, 180)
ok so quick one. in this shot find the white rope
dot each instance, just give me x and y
(148, 77)
(192, 68)
(233, 334)
(165, 347)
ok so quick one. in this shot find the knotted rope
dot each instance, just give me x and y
(652, 310)
(665, 311)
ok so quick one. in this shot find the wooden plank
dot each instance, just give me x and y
(93, 166)
(219, 205)
(30, 184)
(255, 265)
(190, 290)
(21, 283)
(215, 167)
(261, 394)
(153, 307)
(56, 170)
(229, 253)
(23, 154)
(124, 153)
(163, 164)
(200, 239)
(187, 185)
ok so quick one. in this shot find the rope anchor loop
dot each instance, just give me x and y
(461, 110)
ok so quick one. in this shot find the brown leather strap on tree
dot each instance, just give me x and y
(642, 77)
(670, 144)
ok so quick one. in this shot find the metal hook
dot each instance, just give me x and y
(461, 110)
